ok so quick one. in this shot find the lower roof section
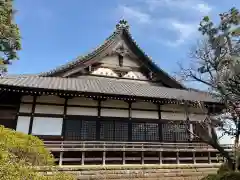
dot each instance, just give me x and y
(108, 86)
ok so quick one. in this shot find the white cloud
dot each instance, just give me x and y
(184, 30)
(203, 8)
(135, 14)
(173, 22)
(194, 5)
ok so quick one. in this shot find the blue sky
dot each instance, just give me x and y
(55, 32)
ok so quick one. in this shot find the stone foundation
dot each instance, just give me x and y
(140, 172)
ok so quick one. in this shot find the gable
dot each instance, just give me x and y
(119, 55)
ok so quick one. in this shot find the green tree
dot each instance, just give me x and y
(216, 64)
(21, 154)
(9, 35)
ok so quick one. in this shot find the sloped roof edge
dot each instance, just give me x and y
(121, 27)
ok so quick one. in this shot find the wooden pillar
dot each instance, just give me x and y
(124, 158)
(130, 122)
(142, 157)
(160, 123)
(209, 158)
(194, 157)
(177, 158)
(83, 158)
(32, 115)
(60, 159)
(104, 158)
(160, 157)
(64, 118)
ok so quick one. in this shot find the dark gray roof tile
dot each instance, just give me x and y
(106, 86)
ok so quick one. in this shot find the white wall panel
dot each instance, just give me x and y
(144, 114)
(50, 99)
(144, 105)
(173, 116)
(23, 124)
(114, 112)
(47, 126)
(49, 109)
(82, 111)
(197, 110)
(127, 61)
(82, 101)
(112, 60)
(114, 103)
(27, 99)
(197, 117)
(25, 108)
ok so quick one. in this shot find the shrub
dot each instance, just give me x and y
(223, 176)
(23, 147)
(21, 153)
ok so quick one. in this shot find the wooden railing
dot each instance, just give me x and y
(129, 146)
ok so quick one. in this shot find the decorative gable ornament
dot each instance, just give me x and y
(123, 24)
(121, 50)
(104, 72)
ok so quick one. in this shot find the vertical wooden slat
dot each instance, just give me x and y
(124, 158)
(83, 158)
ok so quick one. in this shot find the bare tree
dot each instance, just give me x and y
(215, 63)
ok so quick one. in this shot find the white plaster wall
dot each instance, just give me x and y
(82, 101)
(197, 117)
(144, 105)
(27, 99)
(23, 124)
(114, 112)
(173, 107)
(173, 116)
(50, 99)
(82, 111)
(144, 114)
(49, 109)
(47, 126)
(25, 108)
(114, 103)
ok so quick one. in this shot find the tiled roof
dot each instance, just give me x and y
(107, 86)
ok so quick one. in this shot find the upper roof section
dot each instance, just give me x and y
(120, 57)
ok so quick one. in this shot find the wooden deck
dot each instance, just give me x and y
(91, 152)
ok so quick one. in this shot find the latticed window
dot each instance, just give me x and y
(152, 132)
(73, 130)
(138, 131)
(88, 130)
(174, 132)
(181, 132)
(167, 132)
(121, 131)
(107, 130)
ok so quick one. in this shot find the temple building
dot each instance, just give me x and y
(111, 106)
